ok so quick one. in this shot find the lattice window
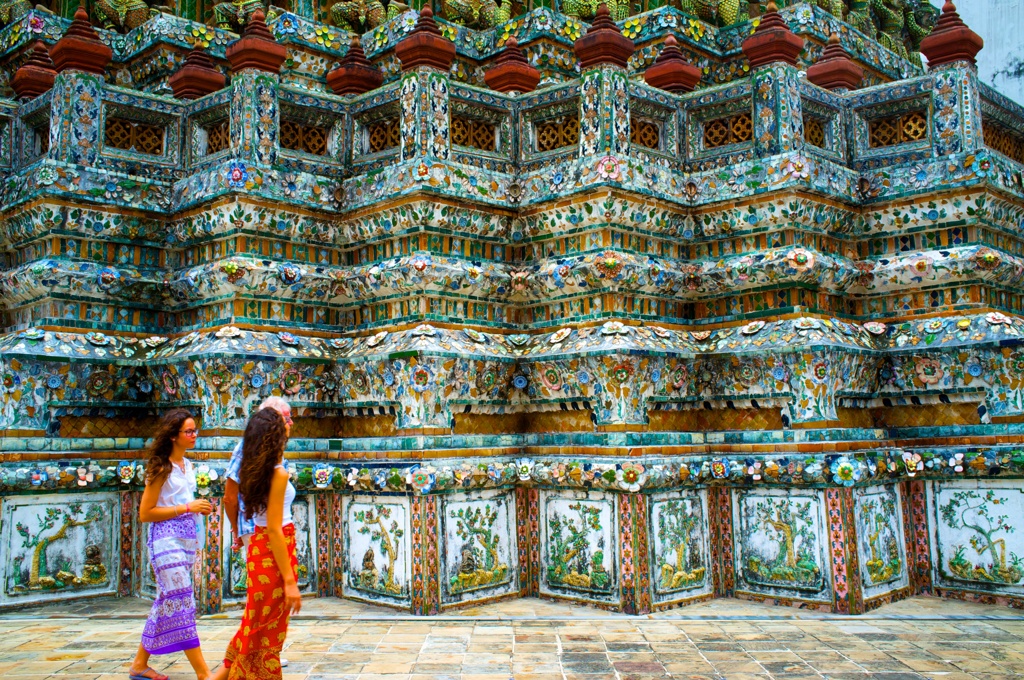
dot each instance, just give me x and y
(814, 131)
(558, 133)
(121, 133)
(39, 139)
(383, 134)
(645, 133)
(475, 134)
(218, 136)
(908, 127)
(311, 139)
(1000, 139)
(734, 129)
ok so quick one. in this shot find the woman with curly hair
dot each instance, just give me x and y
(169, 504)
(272, 591)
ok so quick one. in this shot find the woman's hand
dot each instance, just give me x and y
(292, 598)
(202, 507)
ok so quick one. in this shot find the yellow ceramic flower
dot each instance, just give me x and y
(324, 36)
(631, 28)
(571, 29)
(694, 29)
(201, 36)
(510, 30)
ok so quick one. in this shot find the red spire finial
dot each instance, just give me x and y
(425, 46)
(81, 49)
(197, 76)
(951, 40)
(36, 75)
(257, 48)
(835, 70)
(603, 43)
(511, 71)
(355, 74)
(772, 41)
(671, 71)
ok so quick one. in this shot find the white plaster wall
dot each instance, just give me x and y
(999, 23)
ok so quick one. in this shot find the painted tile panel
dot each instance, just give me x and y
(880, 540)
(378, 565)
(781, 544)
(680, 551)
(977, 543)
(59, 546)
(579, 546)
(478, 546)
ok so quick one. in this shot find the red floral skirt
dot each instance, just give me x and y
(255, 651)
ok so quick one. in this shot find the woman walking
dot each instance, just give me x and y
(169, 504)
(272, 591)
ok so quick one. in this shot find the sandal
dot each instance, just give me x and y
(143, 676)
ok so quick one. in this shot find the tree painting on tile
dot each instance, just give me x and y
(577, 546)
(479, 547)
(378, 549)
(679, 530)
(780, 542)
(60, 547)
(878, 531)
(985, 517)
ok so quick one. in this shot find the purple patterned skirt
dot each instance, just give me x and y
(171, 626)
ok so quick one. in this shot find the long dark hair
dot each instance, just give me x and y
(262, 448)
(160, 449)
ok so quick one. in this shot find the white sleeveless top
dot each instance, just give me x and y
(179, 487)
(260, 519)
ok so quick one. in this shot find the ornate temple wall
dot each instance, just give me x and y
(597, 342)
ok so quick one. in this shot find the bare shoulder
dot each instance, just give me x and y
(281, 474)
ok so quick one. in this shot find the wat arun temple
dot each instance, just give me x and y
(632, 305)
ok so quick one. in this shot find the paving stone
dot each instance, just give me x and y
(533, 647)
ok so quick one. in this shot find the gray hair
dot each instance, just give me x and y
(276, 403)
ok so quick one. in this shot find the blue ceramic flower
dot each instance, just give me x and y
(237, 176)
(845, 471)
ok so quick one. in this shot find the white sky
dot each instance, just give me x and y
(1001, 24)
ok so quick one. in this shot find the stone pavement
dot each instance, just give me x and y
(538, 640)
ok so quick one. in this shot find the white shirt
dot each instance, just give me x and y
(260, 519)
(179, 487)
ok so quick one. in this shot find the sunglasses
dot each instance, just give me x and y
(190, 432)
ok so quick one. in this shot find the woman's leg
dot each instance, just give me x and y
(221, 673)
(141, 661)
(195, 657)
